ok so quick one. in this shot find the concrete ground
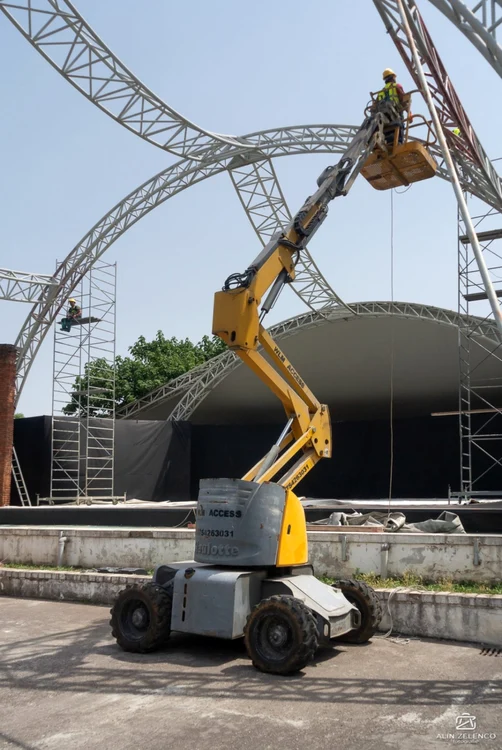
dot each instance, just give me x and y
(65, 684)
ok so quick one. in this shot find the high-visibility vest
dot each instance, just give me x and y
(389, 92)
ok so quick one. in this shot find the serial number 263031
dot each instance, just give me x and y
(216, 532)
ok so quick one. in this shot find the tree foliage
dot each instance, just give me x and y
(149, 365)
(97, 379)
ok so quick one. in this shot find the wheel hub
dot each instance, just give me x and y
(277, 635)
(139, 616)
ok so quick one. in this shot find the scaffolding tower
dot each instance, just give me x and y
(480, 392)
(83, 400)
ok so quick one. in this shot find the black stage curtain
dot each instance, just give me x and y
(152, 459)
(165, 461)
(426, 458)
(32, 441)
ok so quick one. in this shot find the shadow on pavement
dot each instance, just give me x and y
(87, 660)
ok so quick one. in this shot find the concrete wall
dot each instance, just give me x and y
(434, 556)
(459, 617)
(95, 588)
(96, 547)
(475, 618)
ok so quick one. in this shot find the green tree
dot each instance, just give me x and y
(98, 381)
(211, 346)
(18, 415)
(150, 365)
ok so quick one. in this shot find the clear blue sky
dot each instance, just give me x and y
(232, 67)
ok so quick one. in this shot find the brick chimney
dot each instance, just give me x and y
(8, 357)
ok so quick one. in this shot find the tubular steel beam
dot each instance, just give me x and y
(469, 157)
(462, 204)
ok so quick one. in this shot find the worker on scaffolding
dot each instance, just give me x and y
(392, 95)
(72, 316)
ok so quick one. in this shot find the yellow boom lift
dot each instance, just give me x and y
(250, 575)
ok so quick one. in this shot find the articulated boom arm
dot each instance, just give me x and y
(239, 312)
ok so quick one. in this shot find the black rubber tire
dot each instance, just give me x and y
(288, 622)
(368, 604)
(152, 604)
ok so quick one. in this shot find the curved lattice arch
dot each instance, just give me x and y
(166, 184)
(60, 34)
(136, 205)
(57, 30)
(478, 24)
(195, 385)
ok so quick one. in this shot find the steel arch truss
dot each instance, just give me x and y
(196, 385)
(59, 33)
(479, 24)
(468, 154)
(216, 371)
(140, 202)
(17, 286)
(261, 197)
(263, 201)
(174, 179)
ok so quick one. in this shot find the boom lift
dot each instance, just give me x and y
(394, 164)
(250, 575)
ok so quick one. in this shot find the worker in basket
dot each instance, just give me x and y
(73, 314)
(392, 95)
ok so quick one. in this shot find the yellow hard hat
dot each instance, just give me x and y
(388, 72)
(71, 299)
